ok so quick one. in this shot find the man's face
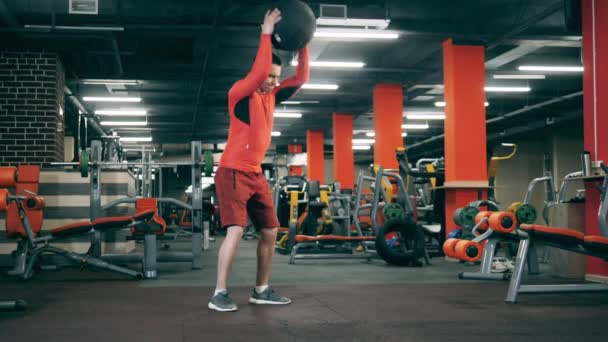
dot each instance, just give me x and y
(272, 80)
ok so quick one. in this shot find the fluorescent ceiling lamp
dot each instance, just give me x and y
(370, 134)
(123, 123)
(136, 139)
(361, 147)
(550, 68)
(519, 77)
(139, 150)
(353, 22)
(425, 116)
(287, 115)
(423, 98)
(355, 34)
(111, 99)
(275, 134)
(75, 28)
(320, 86)
(423, 112)
(298, 102)
(121, 112)
(508, 144)
(364, 141)
(442, 104)
(507, 89)
(332, 64)
(404, 134)
(415, 126)
(111, 82)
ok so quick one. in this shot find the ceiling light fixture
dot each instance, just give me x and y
(298, 102)
(354, 22)
(364, 141)
(442, 104)
(421, 116)
(361, 147)
(355, 34)
(275, 134)
(287, 115)
(332, 64)
(320, 86)
(507, 89)
(136, 139)
(370, 134)
(519, 77)
(110, 82)
(124, 123)
(121, 112)
(415, 126)
(111, 99)
(551, 68)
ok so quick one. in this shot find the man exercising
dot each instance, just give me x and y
(240, 184)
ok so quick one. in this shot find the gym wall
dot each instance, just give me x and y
(514, 175)
(31, 108)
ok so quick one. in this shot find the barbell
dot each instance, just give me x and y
(84, 163)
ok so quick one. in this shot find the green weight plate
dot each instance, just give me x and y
(208, 163)
(392, 212)
(83, 164)
(526, 213)
(466, 217)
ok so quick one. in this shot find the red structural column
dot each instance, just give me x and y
(344, 159)
(316, 158)
(595, 104)
(295, 170)
(388, 118)
(465, 127)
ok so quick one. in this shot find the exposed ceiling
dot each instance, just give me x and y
(186, 54)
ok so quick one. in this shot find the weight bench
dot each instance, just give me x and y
(324, 241)
(566, 239)
(32, 245)
(24, 223)
(150, 232)
(562, 238)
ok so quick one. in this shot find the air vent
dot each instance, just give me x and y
(84, 7)
(333, 11)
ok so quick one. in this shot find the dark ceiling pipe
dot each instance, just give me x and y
(91, 119)
(508, 115)
(117, 61)
(550, 10)
(531, 126)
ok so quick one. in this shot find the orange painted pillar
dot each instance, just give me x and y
(388, 118)
(316, 156)
(595, 105)
(344, 159)
(295, 170)
(465, 127)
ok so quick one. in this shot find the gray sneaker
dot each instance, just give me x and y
(268, 297)
(222, 302)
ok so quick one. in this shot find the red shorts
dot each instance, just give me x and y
(243, 193)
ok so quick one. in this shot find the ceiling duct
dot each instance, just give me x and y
(90, 7)
(337, 15)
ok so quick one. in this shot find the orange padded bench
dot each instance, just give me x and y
(562, 236)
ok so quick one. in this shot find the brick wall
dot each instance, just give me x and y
(31, 98)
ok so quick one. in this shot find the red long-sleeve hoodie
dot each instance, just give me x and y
(252, 112)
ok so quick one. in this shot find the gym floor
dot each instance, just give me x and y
(338, 300)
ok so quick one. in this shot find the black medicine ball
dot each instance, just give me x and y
(296, 27)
